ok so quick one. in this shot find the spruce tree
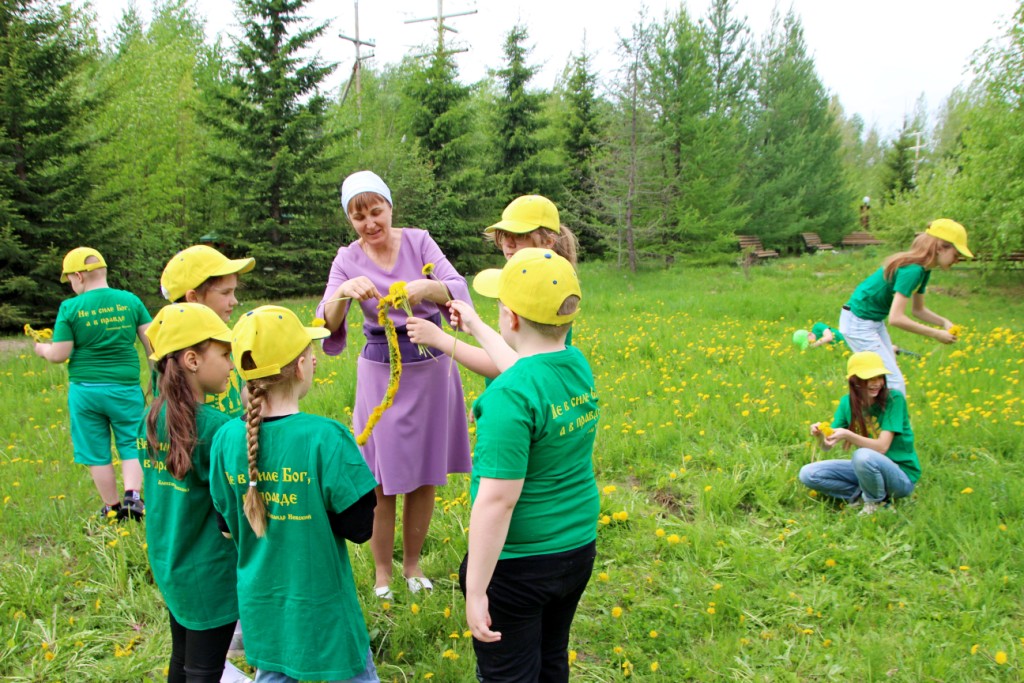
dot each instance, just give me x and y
(517, 170)
(583, 133)
(45, 206)
(797, 182)
(271, 114)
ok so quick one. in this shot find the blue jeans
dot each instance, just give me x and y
(872, 335)
(368, 675)
(868, 473)
(532, 601)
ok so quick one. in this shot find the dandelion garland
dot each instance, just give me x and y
(395, 296)
(38, 336)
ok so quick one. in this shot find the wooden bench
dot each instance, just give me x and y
(860, 239)
(814, 243)
(751, 247)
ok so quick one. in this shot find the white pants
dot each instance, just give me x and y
(872, 335)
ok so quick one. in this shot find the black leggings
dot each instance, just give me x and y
(198, 656)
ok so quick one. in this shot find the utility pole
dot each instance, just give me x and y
(441, 28)
(917, 152)
(357, 67)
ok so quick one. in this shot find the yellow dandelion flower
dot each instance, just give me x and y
(572, 657)
(825, 429)
(653, 634)
(830, 562)
(620, 516)
(956, 330)
(827, 642)
(967, 491)
(428, 269)
(603, 576)
(707, 488)
(318, 322)
(660, 533)
(964, 567)
(49, 656)
(711, 610)
(447, 612)
(673, 538)
(608, 490)
(654, 666)
(616, 612)
(974, 649)
(450, 654)
(606, 520)
(1000, 657)
(415, 609)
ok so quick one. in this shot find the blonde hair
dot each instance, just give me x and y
(255, 507)
(563, 242)
(924, 251)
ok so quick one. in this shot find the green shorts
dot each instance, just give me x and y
(95, 410)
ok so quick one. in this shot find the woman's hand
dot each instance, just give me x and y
(464, 317)
(814, 429)
(424, 332)
(359, 288)
(426, 290)
(944, 337)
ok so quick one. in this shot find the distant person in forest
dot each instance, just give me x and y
(875, 423)
(96, 332)
(202, 275)
(902, 279)
(528, 221)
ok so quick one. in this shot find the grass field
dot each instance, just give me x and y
(713, 562)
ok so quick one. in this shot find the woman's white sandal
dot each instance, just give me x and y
(418, 583)
(384, 592)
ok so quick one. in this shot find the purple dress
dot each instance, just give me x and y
(423, 436)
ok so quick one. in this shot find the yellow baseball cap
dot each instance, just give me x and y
(952, 232)
(273, 337)
(179, 326)
(191, 267)
(526, 214)
(866, 364)
(74, 262)
(534, 283)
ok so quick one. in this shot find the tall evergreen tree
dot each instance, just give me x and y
(583, 132)
(517, 169)
(899, 164)
(45, 206)
(797, 182)
(272, 114)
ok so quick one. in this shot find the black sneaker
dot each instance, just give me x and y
(133, 507)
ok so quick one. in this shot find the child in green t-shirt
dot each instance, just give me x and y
(875, 422)
(902, 279)
(533, 524)
(202, 275)
(192, 563)
(291, 488)
(95, 332)
(529, 221)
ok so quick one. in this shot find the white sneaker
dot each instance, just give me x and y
(870, 508)
(855, 503)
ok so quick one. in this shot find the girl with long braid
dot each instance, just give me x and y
(291, 488)
(192, 564)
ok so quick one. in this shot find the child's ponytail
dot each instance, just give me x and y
(255, 507)
(180, 415)
(566, 245)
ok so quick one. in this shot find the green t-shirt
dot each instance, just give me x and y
(192, 562)
(103, 324)
(296, 594)
(895, 419)
(568, 343)
(819, 329)
(537, 422)
(873, 298)
(229, 402)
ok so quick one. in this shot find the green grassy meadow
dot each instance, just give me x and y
(714, 563)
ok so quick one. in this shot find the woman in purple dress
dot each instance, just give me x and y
(423, 437)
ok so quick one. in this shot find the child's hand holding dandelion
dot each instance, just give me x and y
(424, 332)
(463, 316)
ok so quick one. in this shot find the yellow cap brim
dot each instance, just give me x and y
(486, 283)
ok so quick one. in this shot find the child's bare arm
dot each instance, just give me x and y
(146, 346)
(472, 357)
(488, 529)
(898, 318)
(55, 352)
(503, 355)
(879, 445)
